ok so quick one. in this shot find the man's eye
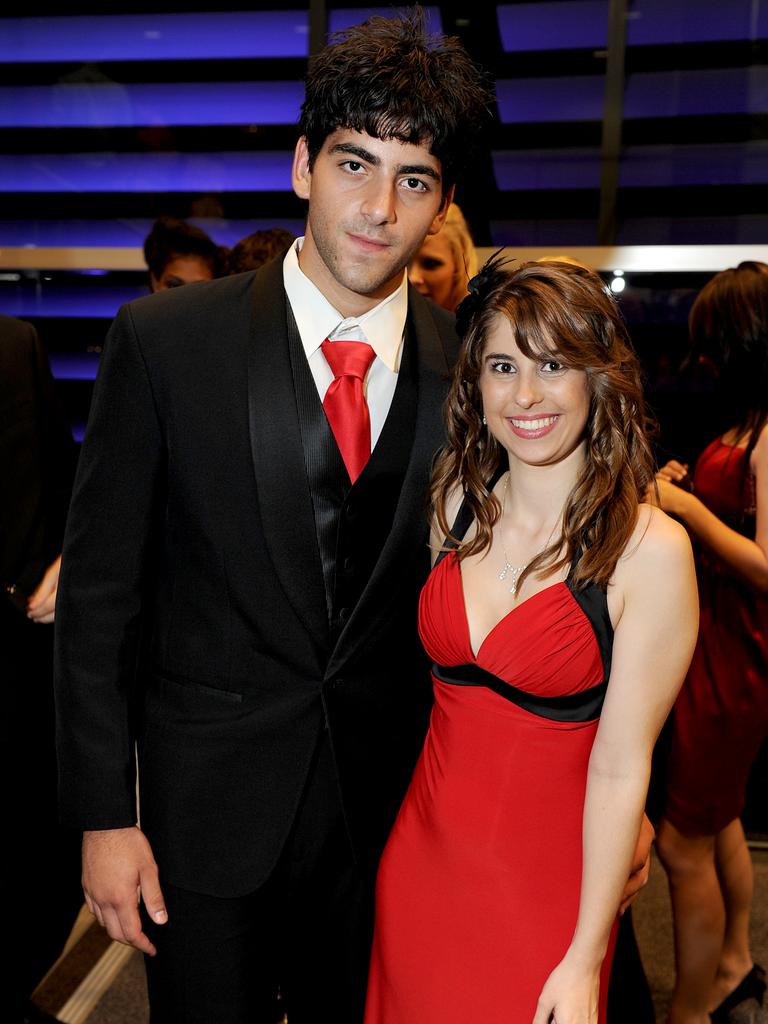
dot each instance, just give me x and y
(353, 165)
(415, 185)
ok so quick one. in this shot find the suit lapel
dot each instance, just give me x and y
(408, 539)
(284, 497)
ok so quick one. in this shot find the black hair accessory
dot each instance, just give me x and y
(481, 285)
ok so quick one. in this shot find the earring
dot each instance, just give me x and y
(485, 422)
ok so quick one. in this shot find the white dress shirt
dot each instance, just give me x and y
(381, 327)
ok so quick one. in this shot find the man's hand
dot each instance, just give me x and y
(116, 864)
(641, 864)
(42, 603)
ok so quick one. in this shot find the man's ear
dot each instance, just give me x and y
(442, 213)
(301, 175)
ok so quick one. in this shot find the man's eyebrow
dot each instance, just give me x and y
(374, 161)
(364, 154)
(424, 169)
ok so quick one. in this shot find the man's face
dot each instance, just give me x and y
(371, 204)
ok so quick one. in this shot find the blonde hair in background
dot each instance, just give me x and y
(463, 248)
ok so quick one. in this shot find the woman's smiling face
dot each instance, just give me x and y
(537, 409)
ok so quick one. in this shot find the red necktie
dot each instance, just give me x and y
(345, 404)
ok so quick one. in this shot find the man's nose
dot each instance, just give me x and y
(379, 205)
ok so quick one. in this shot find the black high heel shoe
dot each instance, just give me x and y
(751, 986)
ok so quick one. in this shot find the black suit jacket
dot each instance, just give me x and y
(37, 460)
(192, 615)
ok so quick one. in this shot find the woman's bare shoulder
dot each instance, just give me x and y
(658, 544)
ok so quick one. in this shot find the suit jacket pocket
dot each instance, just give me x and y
(191, 686)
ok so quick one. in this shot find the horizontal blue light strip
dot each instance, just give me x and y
(146, 172)
(670, 22)
(52, 300)
(521, 101)
(236, 34)
(205, 36)
(558, 25)
(524, 170)
(676, 166)
(583, 24)
(641, 167)
(648, 94)
(146, 105)
(74, 365)
(536, 100)
(710, 91)
(124, 233)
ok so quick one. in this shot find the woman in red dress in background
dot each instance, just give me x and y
(721, 715)
(556, 591)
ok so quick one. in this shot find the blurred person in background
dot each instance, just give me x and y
(41, 889)
(445, 263)
(178, 253)
(255, 250)
(721, 715)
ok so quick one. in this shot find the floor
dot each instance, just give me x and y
(98, 982)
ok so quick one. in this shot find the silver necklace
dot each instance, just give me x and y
(514, 572)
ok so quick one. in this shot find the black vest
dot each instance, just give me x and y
(352, 520)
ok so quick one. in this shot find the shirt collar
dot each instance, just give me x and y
(316, 318)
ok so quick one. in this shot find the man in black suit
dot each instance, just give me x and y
(41, 891)
(239, 587)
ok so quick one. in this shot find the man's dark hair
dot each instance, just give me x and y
(255, 250)
(170, 239)
(388, 78)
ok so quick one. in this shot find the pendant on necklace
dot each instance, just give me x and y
(514, 572)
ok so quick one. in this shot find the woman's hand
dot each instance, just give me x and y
(673, 471)
(570, 994)
(673, 499)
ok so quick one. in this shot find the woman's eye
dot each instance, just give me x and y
(552, 366)
(503, 367)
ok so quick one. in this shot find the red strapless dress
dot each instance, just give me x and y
(721, 713)
(478, 887)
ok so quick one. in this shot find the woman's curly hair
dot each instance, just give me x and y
(557, 311)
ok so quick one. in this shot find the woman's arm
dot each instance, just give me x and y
(747, 558)
(653, 601)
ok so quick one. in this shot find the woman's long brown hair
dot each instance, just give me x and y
(556, 311)
(728, 324)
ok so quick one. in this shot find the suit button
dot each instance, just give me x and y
(343, 615)
(349, 564)
(350, 512)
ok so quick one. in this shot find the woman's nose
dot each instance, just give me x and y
(415, 274)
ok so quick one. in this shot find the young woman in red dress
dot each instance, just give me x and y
(561, 616)
(721, 715)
